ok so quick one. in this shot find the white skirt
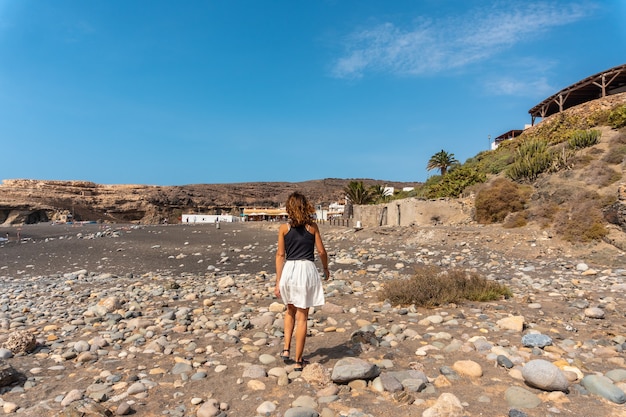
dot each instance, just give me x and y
(301, 285)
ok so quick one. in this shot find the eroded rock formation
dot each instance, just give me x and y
(24, 201)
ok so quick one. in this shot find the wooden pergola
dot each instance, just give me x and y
(600, 85)
(511, 134)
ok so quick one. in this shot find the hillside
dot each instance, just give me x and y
(566, 173)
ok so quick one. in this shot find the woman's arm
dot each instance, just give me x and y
(280, 257)
(321, 250)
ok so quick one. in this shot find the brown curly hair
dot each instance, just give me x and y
(299, 209)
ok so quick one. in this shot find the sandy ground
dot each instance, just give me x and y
(125, 249)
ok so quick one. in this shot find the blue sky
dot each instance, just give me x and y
(174, 93)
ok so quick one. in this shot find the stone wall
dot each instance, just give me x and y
(413, 211)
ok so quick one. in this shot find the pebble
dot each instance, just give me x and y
(161, 335)
(604, 387)
(518, 397)
(544, 375)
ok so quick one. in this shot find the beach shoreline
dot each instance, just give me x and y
(167, 319)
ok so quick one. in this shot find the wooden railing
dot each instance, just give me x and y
(337, 222)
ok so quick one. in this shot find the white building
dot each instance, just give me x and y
(208, 218)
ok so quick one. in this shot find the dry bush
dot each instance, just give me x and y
(617, 149)
(619, 138)
(518, 219)
(432, 286)
(616, 155)
(560, 194)
(601, 175)
(581, 160)
(595, 152)
(581, 220)
(497, 200)
(544, 213)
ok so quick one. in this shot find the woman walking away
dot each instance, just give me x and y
(297, 281)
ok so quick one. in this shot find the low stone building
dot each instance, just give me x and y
(413, 211)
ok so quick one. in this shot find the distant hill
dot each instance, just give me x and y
(33, 201)
(576, 191)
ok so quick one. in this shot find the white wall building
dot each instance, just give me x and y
(208, 218)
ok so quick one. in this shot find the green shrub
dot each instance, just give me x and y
(617, 117)
(500, 198)
(455, 181)
(432, 286)
(533, 158)
(498, 160)
(559, 127)
(580, 139)
(422, 190)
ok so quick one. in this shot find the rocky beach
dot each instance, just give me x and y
(181, 321)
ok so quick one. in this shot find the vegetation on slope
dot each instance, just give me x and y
(562, 173)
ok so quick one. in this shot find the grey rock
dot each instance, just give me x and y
(536, 340)
(504, 362)
(254, 372)
(544, 375)
(616, 375)
(211, 408)
(5, 354)
(390, 383)
(604, 387)
(123, 409)
(182, 368)
(594, 313)
(349, 369)
(414, 385)
(85, 408)
(301, 412)
(8, 374)
(518, 397)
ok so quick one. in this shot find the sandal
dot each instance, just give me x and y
(284, 357)
(300, 365)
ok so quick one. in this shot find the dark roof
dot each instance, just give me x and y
(602, 84)
(509, 135)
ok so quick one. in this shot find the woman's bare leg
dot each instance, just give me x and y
(290, 317)
(302, 315)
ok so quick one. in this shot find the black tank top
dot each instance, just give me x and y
(299, 244)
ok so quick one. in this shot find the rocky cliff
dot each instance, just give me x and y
(32, 201)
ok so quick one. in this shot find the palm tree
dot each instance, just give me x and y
(442, 161)
(379, 194)
(357, 193)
